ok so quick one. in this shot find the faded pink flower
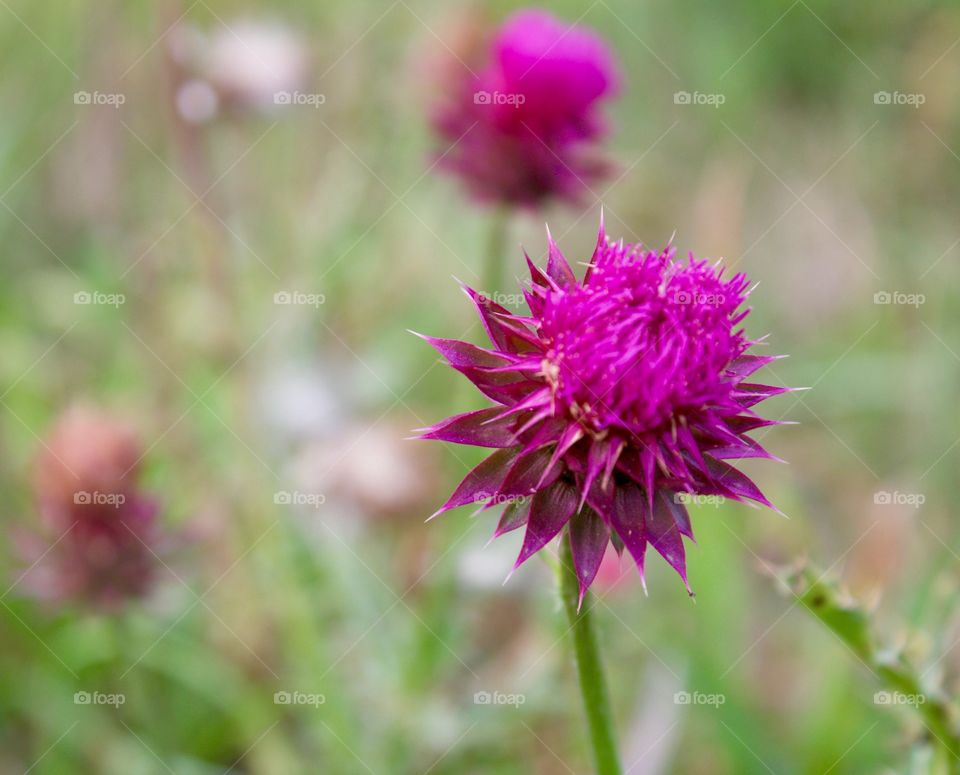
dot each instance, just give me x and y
(97, 528)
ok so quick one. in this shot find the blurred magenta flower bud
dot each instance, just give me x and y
(519, 130)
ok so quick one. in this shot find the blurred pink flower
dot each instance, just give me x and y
(515, 131)
(252, 62)
(97, 528)
(370, 467)
(244, 65)
(613, 575)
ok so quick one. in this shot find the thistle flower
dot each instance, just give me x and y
(97, 527)
(517, 128)
(615, 398)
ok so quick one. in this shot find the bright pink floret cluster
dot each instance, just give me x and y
(615, 396)
(516, 129)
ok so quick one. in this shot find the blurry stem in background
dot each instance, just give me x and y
(495, 259)
(593, 687)
(850, 622)
(196, 175)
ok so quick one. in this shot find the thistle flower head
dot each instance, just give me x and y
(95, 541)
(616, 398)
(516, 129)
(642, 342)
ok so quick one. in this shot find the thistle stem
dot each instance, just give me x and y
(493, 269)
(593, 686)
(850, 622)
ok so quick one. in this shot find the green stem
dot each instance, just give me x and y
(851, 623)
(593, 687)
(493, 269)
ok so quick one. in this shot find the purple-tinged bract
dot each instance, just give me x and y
(615, 398)
(516, 129)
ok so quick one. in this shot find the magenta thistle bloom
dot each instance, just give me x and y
(616, 395)
(517, 128)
